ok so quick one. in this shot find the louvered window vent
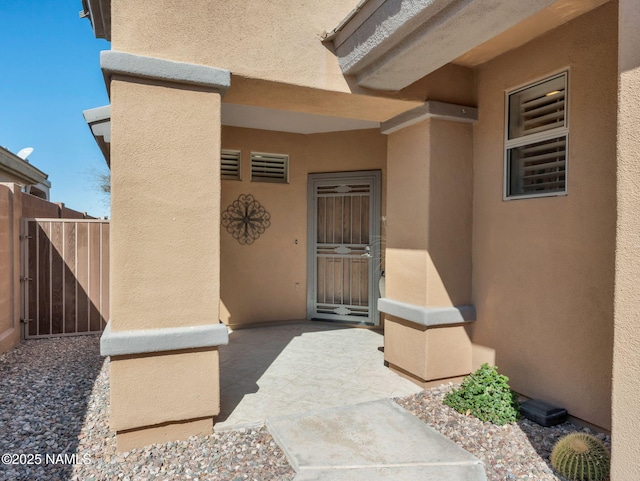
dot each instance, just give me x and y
(230, 164)
(269, 167)
(536, 141)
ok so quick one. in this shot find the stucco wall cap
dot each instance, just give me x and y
(427, 316)
(430, 109)
(115, 62)
(122, 343)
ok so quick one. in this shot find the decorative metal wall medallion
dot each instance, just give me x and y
(245, 219)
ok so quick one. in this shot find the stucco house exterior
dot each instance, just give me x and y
(270, 159)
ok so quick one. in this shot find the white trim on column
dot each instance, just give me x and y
(122, 343)
(427, 316)
(115, 62)
(430, 109)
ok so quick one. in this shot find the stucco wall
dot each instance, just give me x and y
(266, 281)
(272, 40)
(626, 366)
(543, 268)
(35, 207)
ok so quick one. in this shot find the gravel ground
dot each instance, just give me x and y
(518, 451)
(54, 401)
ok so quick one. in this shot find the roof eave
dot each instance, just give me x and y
(21, 169)
(99, 13)
(99, 121)
(387, 44)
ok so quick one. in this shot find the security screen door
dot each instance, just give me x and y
(344, 247)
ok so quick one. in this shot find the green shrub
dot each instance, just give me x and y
(581, 457)
(486, 395)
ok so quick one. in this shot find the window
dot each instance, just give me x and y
(269, 167)
(230, 165)
(536, 139)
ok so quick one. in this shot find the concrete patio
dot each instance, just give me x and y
(302, 367)
(324, 393)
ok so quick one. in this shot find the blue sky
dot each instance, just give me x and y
(49, 73)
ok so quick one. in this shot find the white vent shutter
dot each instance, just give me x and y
(230, 164)
(269, 167)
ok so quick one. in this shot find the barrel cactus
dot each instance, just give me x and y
(580, 457)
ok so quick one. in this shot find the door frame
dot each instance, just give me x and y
(375, 177)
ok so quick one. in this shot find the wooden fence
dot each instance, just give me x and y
(65, 276)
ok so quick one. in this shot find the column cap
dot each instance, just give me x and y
(122, 343)
(428, 316)
(114, 62)
(430, 109)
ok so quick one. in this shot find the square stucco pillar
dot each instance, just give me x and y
(626, 351)
(429, 213)
(165, 239)
(427, 353)
(428, 251)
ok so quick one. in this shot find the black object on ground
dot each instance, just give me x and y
(543, 412)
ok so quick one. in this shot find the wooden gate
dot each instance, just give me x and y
(65, 277)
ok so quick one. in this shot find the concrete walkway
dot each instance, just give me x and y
(372, 441)
(324, 393)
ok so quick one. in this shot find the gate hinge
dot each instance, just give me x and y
(25, 279)
(23, 237)
(25, 321)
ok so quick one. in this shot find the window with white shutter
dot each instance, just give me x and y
(536, 141)
(269, 167)
(230, 164)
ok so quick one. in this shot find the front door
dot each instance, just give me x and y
(344, 247)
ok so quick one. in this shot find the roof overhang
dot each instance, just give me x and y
(99, 13)
(99, 121)
(252, 117)
(246, 116)
(389, 44)
(21, 169)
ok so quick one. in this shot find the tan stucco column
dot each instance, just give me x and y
(626, 350)
(428, 246)
(165, 260)
(429, 209)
